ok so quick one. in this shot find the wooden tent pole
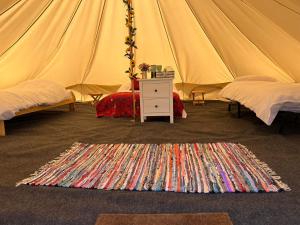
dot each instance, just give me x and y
(130, 51)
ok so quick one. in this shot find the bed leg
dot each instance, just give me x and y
(72, 107)
(229, 106)
(2, 128)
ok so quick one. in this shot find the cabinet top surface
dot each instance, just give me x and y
(156, 79)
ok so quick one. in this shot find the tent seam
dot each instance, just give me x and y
(96, 42)
(10, 7)
(270, 58)
(69, 23)
(169, 40)
(171, 46)
(58, 46)
(28, 28)
(283, 5)
(209, 38)
(271, 21)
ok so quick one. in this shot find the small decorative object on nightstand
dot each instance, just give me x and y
(156, 98)
(144, 68)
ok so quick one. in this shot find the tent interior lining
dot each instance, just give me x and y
(207, 42)
(79, 44)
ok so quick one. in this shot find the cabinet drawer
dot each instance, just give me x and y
(156, 90)
(156, 105)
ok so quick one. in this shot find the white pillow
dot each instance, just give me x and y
(124, 87)
(255, 78)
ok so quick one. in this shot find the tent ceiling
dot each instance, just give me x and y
(205, 41)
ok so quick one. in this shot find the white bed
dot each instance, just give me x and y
(126, 87)
(32, 96)
(264, 95)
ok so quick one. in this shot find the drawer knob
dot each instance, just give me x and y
(155, 90)
(156, 106)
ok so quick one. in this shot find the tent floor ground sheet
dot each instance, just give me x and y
(35, 139)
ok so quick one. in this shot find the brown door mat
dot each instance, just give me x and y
(165, 219)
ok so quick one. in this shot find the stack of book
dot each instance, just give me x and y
(166, 74)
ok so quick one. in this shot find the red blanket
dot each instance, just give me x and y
(120, 105)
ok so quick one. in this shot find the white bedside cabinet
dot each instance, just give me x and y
(156, 98)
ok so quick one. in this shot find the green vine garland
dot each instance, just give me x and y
(130, 39)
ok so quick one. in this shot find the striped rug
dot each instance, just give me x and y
(201, 168)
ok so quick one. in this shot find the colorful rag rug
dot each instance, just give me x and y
(202, 168)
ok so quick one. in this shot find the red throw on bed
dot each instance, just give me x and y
(120, 105)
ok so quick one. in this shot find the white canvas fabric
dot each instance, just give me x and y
(255, 78)
(205, 41)
(28, 94)
(265, 98)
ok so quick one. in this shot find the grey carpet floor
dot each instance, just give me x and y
(35, 139)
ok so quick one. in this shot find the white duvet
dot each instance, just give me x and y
(29, 94)
(265, 98)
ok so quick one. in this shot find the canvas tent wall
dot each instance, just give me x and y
(206, 41)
